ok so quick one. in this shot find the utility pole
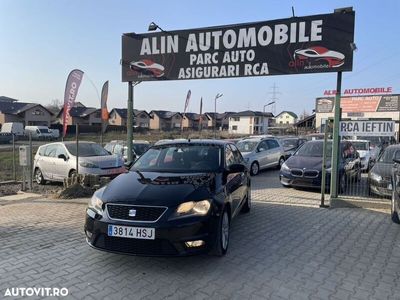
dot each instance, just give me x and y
(274, 96)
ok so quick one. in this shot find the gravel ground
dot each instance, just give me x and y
(49, 189)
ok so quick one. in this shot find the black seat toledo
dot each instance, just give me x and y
(177, 199)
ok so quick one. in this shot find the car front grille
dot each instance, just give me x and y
(136, 213)
(297, 172)
(310, 173)
(136, 246)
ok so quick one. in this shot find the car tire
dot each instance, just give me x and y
(223, 230)
(394, 214)
(72, 173)
(280, 163)
(39, 176)
(247, 205)
(254, 168)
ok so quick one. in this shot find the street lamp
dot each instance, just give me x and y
(215, 113)
(153, 27)
(268, 104)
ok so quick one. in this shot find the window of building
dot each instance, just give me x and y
(234, 127)
(287, 122)
(236, 119)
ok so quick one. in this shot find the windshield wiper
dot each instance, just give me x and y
(143, 179)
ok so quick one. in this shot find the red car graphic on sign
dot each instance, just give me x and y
(333, 58)
(148, 67)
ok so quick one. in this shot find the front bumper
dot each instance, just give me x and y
(170, 235)
(381, 188)
(111, 172)
(315, 183)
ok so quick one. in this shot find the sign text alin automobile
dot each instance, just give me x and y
(311, 44)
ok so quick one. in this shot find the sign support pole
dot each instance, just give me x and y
(323, 179)
(335, 146)
(129, 122)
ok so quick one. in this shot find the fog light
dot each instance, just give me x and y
(88, 234)
(192, 244)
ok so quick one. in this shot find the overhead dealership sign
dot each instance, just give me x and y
(367, 128)
(374, 90)
(360, 104)
(311, 44)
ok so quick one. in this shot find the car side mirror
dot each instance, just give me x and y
(236, 168)
(62, 156)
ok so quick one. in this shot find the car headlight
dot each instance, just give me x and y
(285, 168)
(95, 203)
(375, 177)
(85, 164)
(193, 208)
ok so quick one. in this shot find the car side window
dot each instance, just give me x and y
(117, 149)
(229, 156)
(51, 151)
(272, 144)
(109, 147)
(262, 146)
(237, 155)
(60, 150)
(42, 150)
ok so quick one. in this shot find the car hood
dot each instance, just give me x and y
(152, 188)
(308, 162)
(382, 169)
(246, 154)
(104, 162)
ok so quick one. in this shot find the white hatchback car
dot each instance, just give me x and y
(56, 161)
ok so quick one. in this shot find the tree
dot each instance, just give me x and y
(54, 106)
(304, 115)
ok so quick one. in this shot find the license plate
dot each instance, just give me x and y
(131, 232)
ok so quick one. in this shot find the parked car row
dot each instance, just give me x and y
(36, 132)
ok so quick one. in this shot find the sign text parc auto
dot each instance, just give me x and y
(367, 128)
(311, 44)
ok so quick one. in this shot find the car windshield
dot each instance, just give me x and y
(246, 146)
(87, 149)
(44, 130)
(289, 143)
(387, 155)
(180, 159)
(140, 148)
(360, 145)
(314, 149)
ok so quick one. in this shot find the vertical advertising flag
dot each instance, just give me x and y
(71, 90)
(104, 111)
(104, 97)
(187, 101)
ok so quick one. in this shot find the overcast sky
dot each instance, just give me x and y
(42, 41)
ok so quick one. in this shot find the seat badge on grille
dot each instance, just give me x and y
(132, 213)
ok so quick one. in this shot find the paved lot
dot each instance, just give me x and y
(286, 248)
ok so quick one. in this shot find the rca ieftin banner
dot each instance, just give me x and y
(298, 45)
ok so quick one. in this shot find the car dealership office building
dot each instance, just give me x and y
(383, 107)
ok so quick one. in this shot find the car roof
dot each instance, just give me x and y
(68, 143)
(195, 142)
